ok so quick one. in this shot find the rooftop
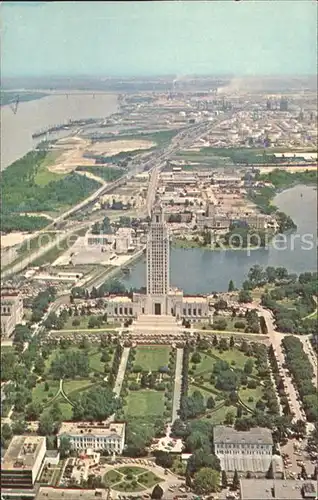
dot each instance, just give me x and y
(22, 452)
(85, 428)
(278, 489)
(50, 493)
(251, 463)
(258, 435)
(119, 298)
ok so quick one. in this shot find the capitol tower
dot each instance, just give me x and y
(158, 282)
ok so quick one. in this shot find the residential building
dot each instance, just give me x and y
(94, 436)
(22, 462)
(246, 451)
(11, 310)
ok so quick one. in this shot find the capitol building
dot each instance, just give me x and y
(160, 299)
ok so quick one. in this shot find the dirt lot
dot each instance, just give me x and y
(74, 147)
(9, 240)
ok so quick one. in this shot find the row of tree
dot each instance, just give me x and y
(301, 369)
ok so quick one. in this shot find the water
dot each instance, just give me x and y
(200, 271)
(32, 116)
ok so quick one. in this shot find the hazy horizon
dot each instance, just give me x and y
(157, 39)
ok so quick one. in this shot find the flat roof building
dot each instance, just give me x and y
(51, 493)
(22, 462)
(246, 451)
(278, 489)
(96, 436)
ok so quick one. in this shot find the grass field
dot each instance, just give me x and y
(144, 403)
(151, 358)
(43, 175)
(218, 417)
(39, 394)
(256, 394)
(94, 355)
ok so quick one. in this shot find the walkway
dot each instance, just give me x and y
(177, 385)
(121, 371)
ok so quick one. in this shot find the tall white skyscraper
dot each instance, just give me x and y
(158, 263)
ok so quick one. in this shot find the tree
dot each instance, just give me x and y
(236, 481)
(206, 481)
(22, 334)
(46, 424)
(65, 446)
(210, 402)
(270, 472)
(157, 492)
(164, 459)
(76, 322)
(138, 436)
(229, 418)
(96, 404)
(248, 367)
(231, 287)
(6, 432)
(196, 358)
(33, 410)
(232, 343)
(19, 427)
(244, 296)
(224, 480)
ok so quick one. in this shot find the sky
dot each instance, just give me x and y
(261, 37)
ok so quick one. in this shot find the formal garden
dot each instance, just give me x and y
(131, 479)
(226, 381)
(66, 382)
(148, 385)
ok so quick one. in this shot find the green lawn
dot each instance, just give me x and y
(66, 409)
(73, 386)
(39, 394)
(84, 324)
(43, 175)
(151, 358)
(218, 417)
(144, 403)
(233, 355)
(206, 364)
(256, 394)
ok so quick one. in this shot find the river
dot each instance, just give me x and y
(201, 271)
(31, 116)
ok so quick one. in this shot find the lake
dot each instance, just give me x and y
(32, 116)
(200, 271)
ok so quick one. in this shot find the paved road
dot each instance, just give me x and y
(121, 371)
(38, 253)
(177, 385)
(276, 340)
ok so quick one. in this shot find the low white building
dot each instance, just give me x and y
(124, 240)
(11, 310)
(96, 436)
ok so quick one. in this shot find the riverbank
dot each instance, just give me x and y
(57, 107)
(201, 271)
(189, 244)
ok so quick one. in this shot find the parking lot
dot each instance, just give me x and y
(295, 455)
